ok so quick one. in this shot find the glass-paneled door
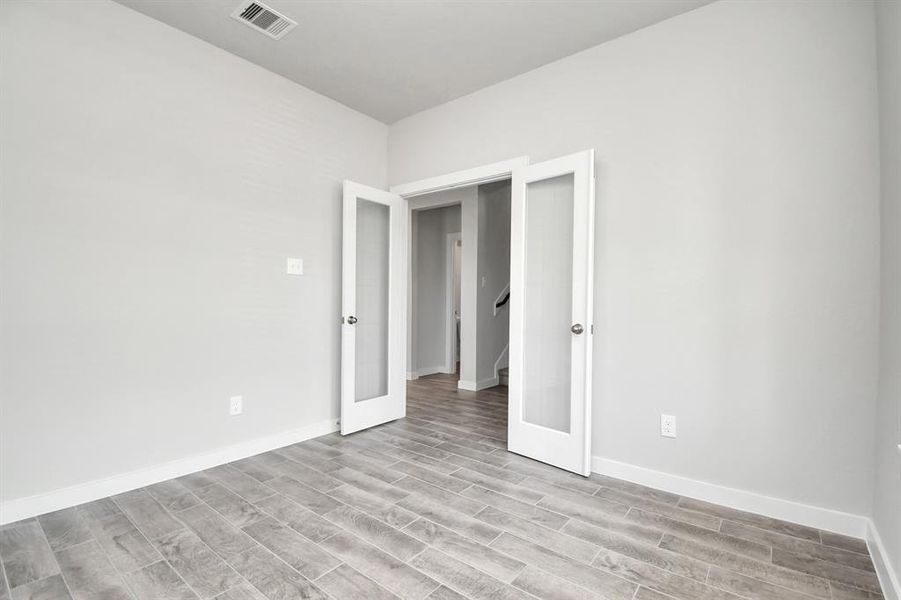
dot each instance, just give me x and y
(551, 284)
(373, 384)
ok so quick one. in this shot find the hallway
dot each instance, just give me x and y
(483, 413)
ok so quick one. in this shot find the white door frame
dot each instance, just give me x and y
(475, 176)
(410, 191)
(450, 321)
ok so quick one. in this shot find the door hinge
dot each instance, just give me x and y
(592, 329)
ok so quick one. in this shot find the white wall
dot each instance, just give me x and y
(458, 295)
(430, 312)
(461, 197)
(493, 332)
(888, 433)
(152, 186)
(469, 291)
(737, 277)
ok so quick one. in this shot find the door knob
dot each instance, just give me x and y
(577, 328)
(351, 320)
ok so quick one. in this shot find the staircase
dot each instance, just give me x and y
(503, 376)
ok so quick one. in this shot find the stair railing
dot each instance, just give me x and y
(502, 299)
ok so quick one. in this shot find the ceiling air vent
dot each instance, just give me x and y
(264, 19)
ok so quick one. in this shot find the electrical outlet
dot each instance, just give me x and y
(668, 426)
(484, 281)
(294, 266)
(235, 405)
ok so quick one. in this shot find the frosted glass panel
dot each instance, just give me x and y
(547, 305)
(371, 376)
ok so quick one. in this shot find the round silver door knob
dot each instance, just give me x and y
(577, 328)
(351, 320)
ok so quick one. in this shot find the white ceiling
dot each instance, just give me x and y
(393, 58)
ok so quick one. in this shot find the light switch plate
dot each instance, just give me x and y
(235, 405)
(294, 266)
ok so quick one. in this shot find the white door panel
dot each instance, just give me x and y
(551, 284)
(373, 385)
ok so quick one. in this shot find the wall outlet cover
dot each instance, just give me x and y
(235, 405)
(668, 426)
(294, 266)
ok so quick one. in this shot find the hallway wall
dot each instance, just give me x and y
(494, 267)
(430, 307)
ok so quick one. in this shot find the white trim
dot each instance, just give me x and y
(475, 386)
(502, 358)
(475, 176)
(426, 371)
(803, 514)
(431, 202)
(888, 578)
(777, 508)
(414, 375)
(30, 506)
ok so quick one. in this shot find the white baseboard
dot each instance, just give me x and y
(430, 371)
(30, 506)
(804, 514)
(888, 578)
(414, 375)
(475, 386)
(776, 508)
(812, 516)
(503, 360)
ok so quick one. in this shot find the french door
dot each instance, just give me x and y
(373, 336)
(551, 284)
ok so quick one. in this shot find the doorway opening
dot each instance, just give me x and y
(529, 305)
(459, 322)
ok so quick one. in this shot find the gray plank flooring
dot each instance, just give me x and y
(431, 507)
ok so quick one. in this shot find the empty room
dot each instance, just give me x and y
(450, 299)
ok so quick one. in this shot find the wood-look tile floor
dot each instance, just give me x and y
(431, 506)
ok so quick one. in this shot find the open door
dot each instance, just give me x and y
(551, 285)
(373, 336)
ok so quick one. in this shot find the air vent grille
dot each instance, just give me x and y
(264, 19)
